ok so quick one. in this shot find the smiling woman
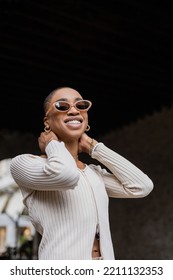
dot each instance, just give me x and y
(67, 199)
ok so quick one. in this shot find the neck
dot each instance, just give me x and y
(73, 149)
(76, 158)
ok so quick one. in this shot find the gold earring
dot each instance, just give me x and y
(87, 128)
(47, 129)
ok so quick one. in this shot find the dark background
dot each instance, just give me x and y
(119, 55)
(116, 53)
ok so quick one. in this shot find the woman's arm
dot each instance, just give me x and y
(56, 172)
(126, 180)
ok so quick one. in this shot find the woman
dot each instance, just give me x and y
(67, 200)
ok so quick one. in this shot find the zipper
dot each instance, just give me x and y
(97, 235)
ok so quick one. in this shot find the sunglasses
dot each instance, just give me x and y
(64, 106)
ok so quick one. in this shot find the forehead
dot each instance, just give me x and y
(66, 93)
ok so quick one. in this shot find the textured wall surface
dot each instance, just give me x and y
(142, 228)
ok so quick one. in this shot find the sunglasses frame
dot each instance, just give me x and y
(70, 106)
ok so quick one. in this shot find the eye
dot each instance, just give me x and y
(62, 106)
(83, 105)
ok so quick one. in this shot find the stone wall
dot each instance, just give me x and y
(142, 228)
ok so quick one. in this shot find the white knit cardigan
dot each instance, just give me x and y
(67, 205)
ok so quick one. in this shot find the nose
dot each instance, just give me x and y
(73, 110)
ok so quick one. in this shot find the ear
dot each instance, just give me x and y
(47, 128)
(45, 121)
(87, 128)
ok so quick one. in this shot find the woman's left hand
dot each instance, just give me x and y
(85, 143)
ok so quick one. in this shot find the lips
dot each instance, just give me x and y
(74, 120)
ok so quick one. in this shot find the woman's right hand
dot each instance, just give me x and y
(45, 138)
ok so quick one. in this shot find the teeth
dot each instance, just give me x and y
(74, 121)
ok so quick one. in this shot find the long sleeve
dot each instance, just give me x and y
(125, 180)
(56, 172)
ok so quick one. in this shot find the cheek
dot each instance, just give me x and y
(86, 118)
(55, 121)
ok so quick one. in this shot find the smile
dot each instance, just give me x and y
(73, 122)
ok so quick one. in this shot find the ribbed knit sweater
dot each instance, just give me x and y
(67, 205)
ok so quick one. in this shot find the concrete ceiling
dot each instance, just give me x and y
(116, 53)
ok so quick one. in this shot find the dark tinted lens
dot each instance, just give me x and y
(62, 106)
(82, 105)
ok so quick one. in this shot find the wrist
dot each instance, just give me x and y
(50, 140)
(93, 142)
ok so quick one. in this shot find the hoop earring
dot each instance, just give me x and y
(87, 128)
(47, 129)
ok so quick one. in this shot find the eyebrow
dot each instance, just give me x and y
(65, 99)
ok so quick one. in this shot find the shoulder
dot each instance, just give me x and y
(22, 158)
